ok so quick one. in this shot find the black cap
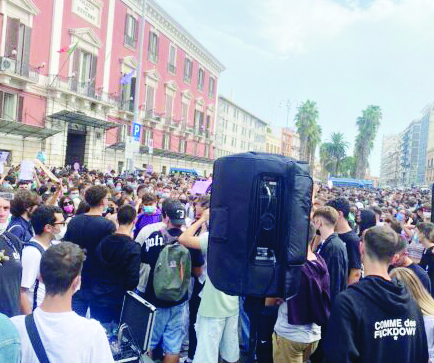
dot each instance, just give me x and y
(175, 210)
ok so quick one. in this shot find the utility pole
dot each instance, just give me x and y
(138, 79)
(288, 109)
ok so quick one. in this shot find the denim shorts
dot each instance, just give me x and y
(169, 326)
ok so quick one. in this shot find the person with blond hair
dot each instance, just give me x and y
(422, 298)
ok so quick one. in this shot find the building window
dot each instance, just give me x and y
(168, 108)
(211, 87)
(234, 128)
(148, 137)
(17, 45)
(184, 112)
(198, 120)
(235, 113)
(149, 105)
(195, 148)
(200, 79)
(207, 151)
(172, 59)
(188, 70)
(153, 47)
(128, 93)
(224, 139)
(182, 146)
(131, 31)
(83, 73)
(234, 142)
(166, 142)
(11, 106)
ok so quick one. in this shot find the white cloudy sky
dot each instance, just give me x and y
(343, 54)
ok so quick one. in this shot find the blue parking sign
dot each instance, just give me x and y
(136, 132)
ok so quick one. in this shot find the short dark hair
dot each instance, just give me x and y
(126, 214)
(83, 207)
(426, 228)
(341, 204)
(23, 199)
(382, 242)
(127, 189)
(140, 187)
(95, 194)
(42, 216)
(149, 198)
(203, 201)
(60, 265)
(377, 210)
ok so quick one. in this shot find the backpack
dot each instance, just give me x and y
(172, 270)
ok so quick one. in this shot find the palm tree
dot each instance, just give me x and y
(368, 125)
(308, 129)
(347, 167)
(338, 149)
(325, 152)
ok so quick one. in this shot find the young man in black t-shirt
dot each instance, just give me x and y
(349, 237)
(170, 318)
(87, 230)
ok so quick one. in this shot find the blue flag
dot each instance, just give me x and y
(127, 77)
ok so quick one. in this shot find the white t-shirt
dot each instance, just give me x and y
(143, 235)
(66, 337)
(31, 259)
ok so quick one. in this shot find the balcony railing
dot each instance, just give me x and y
(17, 68)
(126, 105)
(86, 89)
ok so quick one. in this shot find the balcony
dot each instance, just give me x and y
(153, 57)
(153, 117)
(84, 90)
(20, 71)
(130, 41)
(126, 105)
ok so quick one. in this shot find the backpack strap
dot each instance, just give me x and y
(35, 291)
(35, 339)
(168, 238)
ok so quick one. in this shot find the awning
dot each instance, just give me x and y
(82, 119)
(17, 128)
(163, 153)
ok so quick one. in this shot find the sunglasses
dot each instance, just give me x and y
(60, 223)
(68, 203)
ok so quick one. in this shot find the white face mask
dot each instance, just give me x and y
(61, 234)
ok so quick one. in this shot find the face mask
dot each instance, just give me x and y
(97, 182)
(75, 195)
(149, 209)
(65, 190)
(68, 208)
(61, 234)
(118, 189)
(165, 195)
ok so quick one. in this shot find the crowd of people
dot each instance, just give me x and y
(72, 245)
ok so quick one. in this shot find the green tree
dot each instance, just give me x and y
(326, 161)
(308, 129)
(347, 167)
(367, 125)
(338, 149)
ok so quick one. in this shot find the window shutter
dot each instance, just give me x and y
(20, 110)
(12, 35)
(126, 25)
(136, 29)
(132, 93)
(157, 40)
(1, 104)
(26, 51)
(75, 70)
(92, 75)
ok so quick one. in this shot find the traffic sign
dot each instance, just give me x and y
(136, 131)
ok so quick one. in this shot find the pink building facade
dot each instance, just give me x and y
(61, 65)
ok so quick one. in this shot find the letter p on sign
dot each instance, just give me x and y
(136, 132)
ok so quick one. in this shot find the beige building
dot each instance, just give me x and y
(290, 143)
(272, 142)
(390, 158)
(238, 130)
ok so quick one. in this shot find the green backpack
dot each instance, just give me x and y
(172, 270)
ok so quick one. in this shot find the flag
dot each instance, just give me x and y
(127, 77)
(68, 49)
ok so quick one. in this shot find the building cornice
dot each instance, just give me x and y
(26, 5)
(159, 18)
(242, 109)
(87, 35)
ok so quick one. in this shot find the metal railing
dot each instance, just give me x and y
(19, 68)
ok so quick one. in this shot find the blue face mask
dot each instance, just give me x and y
(149, 209)
(118, 189)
